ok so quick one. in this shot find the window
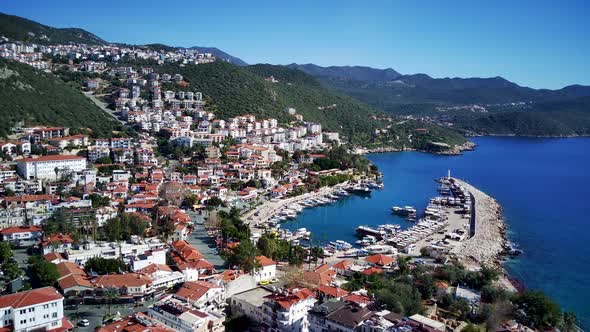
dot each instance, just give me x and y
(46, 306)
(54, 324)
(22, 312)
(54, 315)
(31, 309)
(23, 321)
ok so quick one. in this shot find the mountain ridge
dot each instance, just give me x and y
(22, 29)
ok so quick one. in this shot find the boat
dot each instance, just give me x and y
(404, 211)
(340, 245)
(380, 249)
(366, 230)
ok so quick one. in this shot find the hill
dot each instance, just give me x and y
(353, 73)
(22, 29)
(36, 97)
(219, 54)
(512, 109)
(233, 90)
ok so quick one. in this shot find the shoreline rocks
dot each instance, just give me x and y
(488, 245)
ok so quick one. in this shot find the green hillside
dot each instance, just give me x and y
(21, 29)
(233, 90)
(40, 98)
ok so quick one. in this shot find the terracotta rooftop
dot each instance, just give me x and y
(265, 261)
(31, 297)
(380, 259)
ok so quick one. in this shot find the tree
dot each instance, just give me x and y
(105, 265)
(569, 322)
(103, 161)
(539, 310)
(215, 201)
(166, 229)
(470, 328)
(111, 294)
(244, 256)
(43, 273)
(5, 253)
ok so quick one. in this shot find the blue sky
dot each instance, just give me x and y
(538, 43)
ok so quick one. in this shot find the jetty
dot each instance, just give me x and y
(487, 241)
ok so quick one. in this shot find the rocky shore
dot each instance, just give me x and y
(451, 151)
(488, 245)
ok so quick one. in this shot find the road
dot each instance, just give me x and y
(103, 106)
(95, 313)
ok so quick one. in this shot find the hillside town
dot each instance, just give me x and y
(175, 224)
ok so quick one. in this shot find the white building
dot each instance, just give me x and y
(45, 167)
(267, 270)
(282, 310)
(35, 310)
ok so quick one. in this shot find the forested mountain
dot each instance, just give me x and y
(511, 109)
(36, 97)
(18, 28)
(233, 90)
(352, 73)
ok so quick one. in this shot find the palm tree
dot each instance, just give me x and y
(111, 294)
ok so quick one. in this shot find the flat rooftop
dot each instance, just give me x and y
(254, 296)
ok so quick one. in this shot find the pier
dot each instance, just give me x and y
(487, 232)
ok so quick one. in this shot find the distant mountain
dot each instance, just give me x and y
(220, 55)
(18, 28)
(355, 73)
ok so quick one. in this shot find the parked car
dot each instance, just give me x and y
(84, 322)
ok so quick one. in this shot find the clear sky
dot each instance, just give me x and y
(538, 43)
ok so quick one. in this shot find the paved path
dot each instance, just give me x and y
(204, 243)
(103, 106)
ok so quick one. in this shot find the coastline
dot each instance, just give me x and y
(453, 151)
(268, 209)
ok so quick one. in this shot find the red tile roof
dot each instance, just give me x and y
(265, 261)
(194, 290)
(20, 229)
(67, 268)
(292, 297)
(154, 267)
(332, 291)
(74, 280)
(355, 298)
(372, 270)
(122, 280)
(380, 259)
(61, 238)
(29, 298)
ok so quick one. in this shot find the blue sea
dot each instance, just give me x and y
(543, 186)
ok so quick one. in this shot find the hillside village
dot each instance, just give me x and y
(154, 229)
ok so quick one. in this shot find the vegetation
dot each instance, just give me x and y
(103, 266)
(43, 273)
(21, 29)
(36, 97)
(124, 226)
(7, 263)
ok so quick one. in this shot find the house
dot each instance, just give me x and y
(49, 167)
(190, 261)
(380, 260)
(73, 280)
(163, 278)
(282, 310)
(129, 285)
(201, 295)
(56, 243)
(39, 309)
(181, 232)
(21, 233)
(149, 257)
(183, 318)
(330, 292)
(267, 270)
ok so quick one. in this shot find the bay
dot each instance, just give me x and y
(543, 186)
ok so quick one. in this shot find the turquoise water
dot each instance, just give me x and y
(543, 186)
